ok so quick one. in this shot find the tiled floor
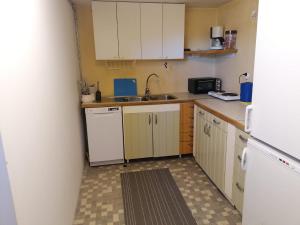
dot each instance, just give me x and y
(101, 200)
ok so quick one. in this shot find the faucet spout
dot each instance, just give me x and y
(147, 89)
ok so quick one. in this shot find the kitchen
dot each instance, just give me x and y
(44, 135)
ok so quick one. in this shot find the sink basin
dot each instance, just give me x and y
(162, 97)
(143, 98)
(128, 99)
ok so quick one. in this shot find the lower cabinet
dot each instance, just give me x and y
(165, 133)
(137, 135)
(238, 174)
(186, 127)
(210, 146)
(151, 131)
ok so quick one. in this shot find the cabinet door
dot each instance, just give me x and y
(151, 30)
(166, 133)
(201, 139)
(129, 33)
(138, 135)
(105, 30)
(173, 31)
(217, 156)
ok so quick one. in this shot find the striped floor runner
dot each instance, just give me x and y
(152, 197)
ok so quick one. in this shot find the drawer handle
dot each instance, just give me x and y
(208, 130)
(216, 122)
(155, 119)
(238, 186)
(149, 119)
(239, 158)
(201, 113)
(243, 139)
(205, 129)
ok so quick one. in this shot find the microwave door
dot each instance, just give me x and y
(205, 86)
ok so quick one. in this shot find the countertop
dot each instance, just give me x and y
(181, 97)
(232, 112)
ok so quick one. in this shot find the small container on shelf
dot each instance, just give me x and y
(230, 39)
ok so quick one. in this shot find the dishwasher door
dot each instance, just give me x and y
(105, 135)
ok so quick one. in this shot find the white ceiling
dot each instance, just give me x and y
(193, 3)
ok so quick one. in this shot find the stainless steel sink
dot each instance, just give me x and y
(143, 98)
(127, 99)
(162, 97)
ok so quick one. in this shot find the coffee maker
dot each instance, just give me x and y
(217, 39)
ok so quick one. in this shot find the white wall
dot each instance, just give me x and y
(39, 115)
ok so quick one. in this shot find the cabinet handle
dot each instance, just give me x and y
(204, 129)
(191, 117)
(208, 131)
(191, 145)
(243, 139)
(192, 127)
(149, 119)
(191, 136)
(155, 118)
(216, 122)
(238, 186)
(239, 158)
(201, 113)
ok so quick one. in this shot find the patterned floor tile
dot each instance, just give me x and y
(101, 203)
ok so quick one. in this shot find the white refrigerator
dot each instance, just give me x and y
(272, 156)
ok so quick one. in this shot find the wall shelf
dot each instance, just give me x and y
(210, 52)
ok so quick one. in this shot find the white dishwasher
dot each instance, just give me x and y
(105, 135)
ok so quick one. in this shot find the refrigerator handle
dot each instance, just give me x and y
(249, 108)
(243, 161)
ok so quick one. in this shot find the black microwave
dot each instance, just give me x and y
(204, 85)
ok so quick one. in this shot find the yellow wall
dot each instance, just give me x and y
(236, 15)
(173, 79)
(233, 15)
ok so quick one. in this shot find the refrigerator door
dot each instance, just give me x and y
(272, 187)
(275, 114)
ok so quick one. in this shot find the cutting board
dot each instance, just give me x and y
(125, 87)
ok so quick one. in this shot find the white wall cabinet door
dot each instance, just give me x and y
(173, 31)
(129, 30)
(151, 30)
(105, 30)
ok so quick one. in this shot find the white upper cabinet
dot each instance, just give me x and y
(105, 30)
(151, 30)
(129, 30)
(173, 31)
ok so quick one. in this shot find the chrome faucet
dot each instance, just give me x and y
(147, 89)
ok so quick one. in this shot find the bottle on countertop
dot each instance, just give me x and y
(98, 93)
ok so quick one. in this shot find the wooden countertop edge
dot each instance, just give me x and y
(234, 122)
(154, 102)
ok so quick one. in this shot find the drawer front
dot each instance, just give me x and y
(238, 174)
(186, 136)
(216, 121)
(186, 147)
(241, 138)
(202, 112)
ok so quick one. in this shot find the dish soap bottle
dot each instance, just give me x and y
(98, 93)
